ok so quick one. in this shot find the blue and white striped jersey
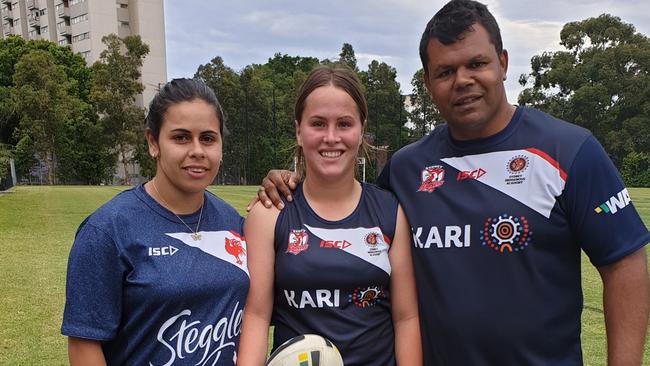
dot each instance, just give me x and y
(332, 277)
(498, 226)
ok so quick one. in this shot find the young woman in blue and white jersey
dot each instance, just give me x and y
(157, 276)
(336, 260)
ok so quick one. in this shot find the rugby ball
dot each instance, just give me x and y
(306, 350)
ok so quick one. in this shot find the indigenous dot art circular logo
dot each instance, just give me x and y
(517, 164)
(506, 233)
(371, 239)
(364, 297)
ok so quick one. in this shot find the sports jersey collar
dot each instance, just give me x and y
(485, 142)
(300, 196)
(142, 194)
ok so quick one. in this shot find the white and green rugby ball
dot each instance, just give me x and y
(306, 350)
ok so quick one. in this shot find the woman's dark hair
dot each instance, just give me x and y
(339, 76)
(177, 91)
(454, 19)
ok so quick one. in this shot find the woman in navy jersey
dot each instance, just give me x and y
(157, 276)
(336, 260)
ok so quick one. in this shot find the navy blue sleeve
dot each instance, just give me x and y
(383, 181)
(601, 214)
(93, 306)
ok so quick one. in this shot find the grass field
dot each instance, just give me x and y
(37, 226)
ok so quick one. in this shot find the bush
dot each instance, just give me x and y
(635, 169)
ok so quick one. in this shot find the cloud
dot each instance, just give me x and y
(250, 31)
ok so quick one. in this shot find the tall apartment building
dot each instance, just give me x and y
(81, 24)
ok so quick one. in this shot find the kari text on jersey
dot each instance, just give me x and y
(442, 237)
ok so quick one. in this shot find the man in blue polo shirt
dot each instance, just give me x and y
(501, 200)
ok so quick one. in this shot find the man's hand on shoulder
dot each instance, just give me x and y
(275, 183)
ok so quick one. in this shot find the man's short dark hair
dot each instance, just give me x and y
(454, 19)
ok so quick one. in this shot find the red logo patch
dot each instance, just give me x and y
(297, 242)
(235, 248)
(432, 178)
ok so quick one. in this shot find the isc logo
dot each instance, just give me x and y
(473, 174)
(341, 244)
(158, 251)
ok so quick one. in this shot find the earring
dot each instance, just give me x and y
(154, 156)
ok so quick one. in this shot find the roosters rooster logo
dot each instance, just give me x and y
(432, 178)
(235, 248)
(297, 242)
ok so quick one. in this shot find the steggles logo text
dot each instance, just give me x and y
(190, 338)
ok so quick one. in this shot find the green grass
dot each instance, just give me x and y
(37, 226)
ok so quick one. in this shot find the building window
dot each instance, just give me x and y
(80, 37)
(75, 2)
(63, 42)
(58, 7)
(79, 19)
(43, 11)
(44, 29)
(123, 6)
(124, 24)
(85, 54)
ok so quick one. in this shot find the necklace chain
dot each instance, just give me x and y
(195, 233)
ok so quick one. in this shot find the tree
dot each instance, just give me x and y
(114, 90)
(5, 156)
(12, 49)
(43, 105)
(601, 81)
(72, 138)
(255, 117)
(348, 57)
(385, 106)
(8, 117)
(226, 85)
(85, 151)
(424, 114)
(286, 74)
(258, 102)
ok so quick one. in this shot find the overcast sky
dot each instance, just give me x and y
(250, 31)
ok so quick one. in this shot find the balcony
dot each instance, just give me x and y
(64, 29)
(63, 12)
(7, 29)
(34, 20)
(8, 2)
(32, 4)
(6, 16)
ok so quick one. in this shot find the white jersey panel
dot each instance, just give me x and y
(529, 176)
(225, 245)
(368, 244)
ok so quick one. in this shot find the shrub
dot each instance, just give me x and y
(635, 169)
